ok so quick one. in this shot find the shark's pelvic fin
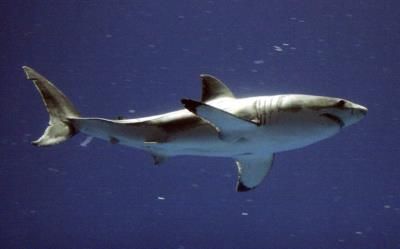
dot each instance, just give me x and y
(252, 169)
(158, 158)
(59, 107)
(229, 126)
(213, 88)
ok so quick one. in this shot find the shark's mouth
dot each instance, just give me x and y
(334, 118)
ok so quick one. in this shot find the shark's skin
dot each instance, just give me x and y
(249, 130)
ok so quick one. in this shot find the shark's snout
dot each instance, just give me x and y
(362, 109)
(359, 110)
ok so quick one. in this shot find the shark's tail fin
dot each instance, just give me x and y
(59, 107)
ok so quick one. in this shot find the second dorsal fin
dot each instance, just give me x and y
(213, 88)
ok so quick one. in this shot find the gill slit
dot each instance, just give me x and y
(260, 111)
(271, 110)
(264, 109)
(257, 111)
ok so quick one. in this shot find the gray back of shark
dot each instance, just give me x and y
(249, 130)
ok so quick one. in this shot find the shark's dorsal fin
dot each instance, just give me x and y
(213, 88)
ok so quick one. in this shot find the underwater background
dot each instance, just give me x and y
(139, 58)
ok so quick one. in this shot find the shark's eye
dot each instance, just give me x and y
(341, 103)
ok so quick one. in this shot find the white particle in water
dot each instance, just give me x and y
(54, 170)
(258, 62)
(86, 142)
(278, 49)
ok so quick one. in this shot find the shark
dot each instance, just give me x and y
(249, 130)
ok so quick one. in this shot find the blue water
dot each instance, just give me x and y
(137, 58)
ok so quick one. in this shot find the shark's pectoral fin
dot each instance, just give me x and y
(252, 169)
(229, 126)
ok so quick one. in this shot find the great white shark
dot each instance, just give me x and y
(249, 130)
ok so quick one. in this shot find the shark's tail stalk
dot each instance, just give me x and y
(59, 107)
